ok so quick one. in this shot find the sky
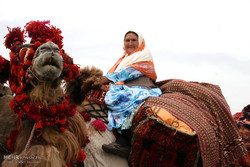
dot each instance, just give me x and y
(193, 40)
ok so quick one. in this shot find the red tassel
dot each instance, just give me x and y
(20, 113)
(70, 70)
(11, 140)
(56, 38)
(12, 104)
(14, 38)
(99, 125)
(81, 156)
(38, 128)
(86, 116)
(37, 44)
(22, 73)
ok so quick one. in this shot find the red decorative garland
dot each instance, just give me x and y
(44, 116)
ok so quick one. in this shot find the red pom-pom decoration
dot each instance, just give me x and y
(99, 125)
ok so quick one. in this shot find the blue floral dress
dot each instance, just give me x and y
(121, 100)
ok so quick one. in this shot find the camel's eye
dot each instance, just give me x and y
(56, 50)
(44, 49)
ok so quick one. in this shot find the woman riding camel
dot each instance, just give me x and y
(131, 80)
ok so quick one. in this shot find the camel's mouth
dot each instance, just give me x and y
(51, 62)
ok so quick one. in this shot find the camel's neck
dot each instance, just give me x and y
(46, 93)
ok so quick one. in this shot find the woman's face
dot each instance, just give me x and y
(131, 43)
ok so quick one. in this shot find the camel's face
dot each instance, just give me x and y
(47, 61)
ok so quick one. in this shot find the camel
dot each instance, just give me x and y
(49, 131)
(182, 127)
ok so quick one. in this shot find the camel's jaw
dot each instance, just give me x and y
(48, 68)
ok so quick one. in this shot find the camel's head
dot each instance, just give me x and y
(43, 58)
(47, 63)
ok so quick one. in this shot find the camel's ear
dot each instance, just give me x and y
(4, 70)
(88, 78)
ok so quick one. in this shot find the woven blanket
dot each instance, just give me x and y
(203, 107)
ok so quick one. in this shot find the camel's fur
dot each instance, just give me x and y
(55, 148)
(46, 92)
(89, 78)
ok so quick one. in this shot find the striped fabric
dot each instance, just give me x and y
(203, 107)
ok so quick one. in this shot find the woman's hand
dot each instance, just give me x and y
(105, 80)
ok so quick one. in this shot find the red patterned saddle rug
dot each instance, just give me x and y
(154, 143)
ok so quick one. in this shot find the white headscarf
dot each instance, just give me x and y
(143, 55)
